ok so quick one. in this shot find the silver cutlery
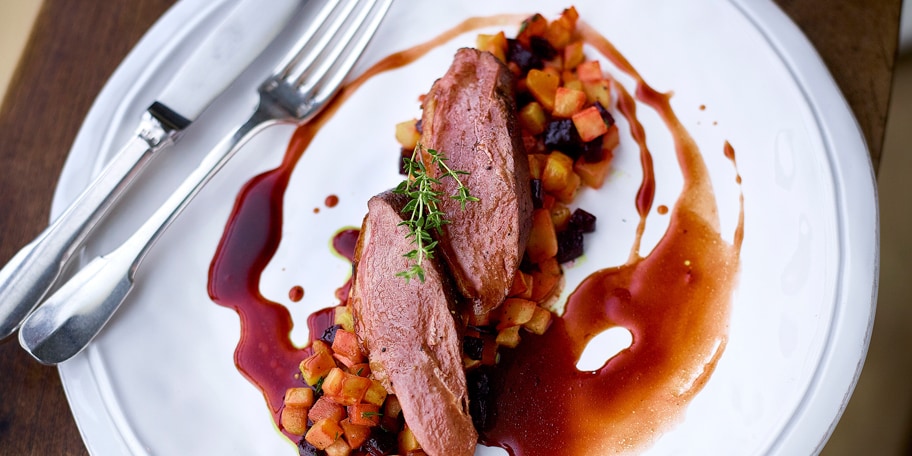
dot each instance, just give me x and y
(245, 33)
(296, 91)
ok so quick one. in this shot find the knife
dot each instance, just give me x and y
(222, 55)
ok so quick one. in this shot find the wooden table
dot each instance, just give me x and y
(76, 46)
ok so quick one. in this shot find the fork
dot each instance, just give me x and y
(295, 92)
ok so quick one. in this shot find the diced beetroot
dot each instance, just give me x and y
(561, 135)
(536, 187)
(522, 56)
(569, 245)
(593, 150)
(542, 48)
(606, 116)
(472, 347)
(582, 221)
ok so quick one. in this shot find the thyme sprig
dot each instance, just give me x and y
(423, 206)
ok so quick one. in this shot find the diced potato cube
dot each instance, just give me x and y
(536, 165)
(361, 369)
(522, 286)
(590, 70)
(364, 414)
(515, 311)
(332, 384)
(611, 140)
(347, 349)
(543, 86)
(375, 393)
(567, 193)
(597, 91)
(575, 84)
(355, 434)
(316, 366)
(325, 408)
(294, 419)
(508, 337)
(343, 315)
(323, 433)
(299, 397)
(407, 441)
(495, 44)
(559, 33)
(573, 54)
(570, 15)
(539, 322)
(320, 346)
(568, 102)
(589, 123)
(560, 216)
(532, 118)
(339, 448)
(407, 135)
(542, 243)
(353, 389)
(391, 411)
(557, 171)
(533, 26)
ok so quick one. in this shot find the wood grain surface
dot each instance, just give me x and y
(76, 46)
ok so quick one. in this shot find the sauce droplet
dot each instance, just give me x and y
(331, 201)
(662, 209)
(296, 293)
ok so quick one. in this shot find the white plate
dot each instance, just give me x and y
(161, 379)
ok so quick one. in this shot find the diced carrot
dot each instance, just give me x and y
(593, 174)
(590, 70)
(597, 91)
(294, 419)
(347, 349)
(508, 337)
(539, 322)
(407, 441)
(533, 118)
(299, 397)
(364, 414)
(375, 393)
(325, 408)
(407, 135)
(522, 286)
(515, 311)
(316, 366)
(560, 216)
(573, 54)
(343, 316)
(543, 86)
(323, 433)
(542, 243)
(338, 448)
(568, 102)
(355, 434)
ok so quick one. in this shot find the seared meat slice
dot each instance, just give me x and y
(470, 116)
(410, 332)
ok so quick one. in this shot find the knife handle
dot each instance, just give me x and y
(31, 273)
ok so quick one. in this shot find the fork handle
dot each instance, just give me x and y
(71, 317)
(31, 273)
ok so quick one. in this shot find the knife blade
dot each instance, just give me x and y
(245, 31)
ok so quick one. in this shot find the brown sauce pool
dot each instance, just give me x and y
(676, 301)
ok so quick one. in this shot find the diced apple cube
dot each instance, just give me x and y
(495, 44)
(559, 33)
(364, 414)
(353, 389)
(347, 349)
(589, 123)
(560, 216)
(597, 91)
(522, 286)
(407, 135)
(325, 408)
(536, 165)
(593, 174)
(320, 346)
(316, 366)
(611, 140)
(539, 322)
(573, 54)
(542, 243)
(338, 448)
(391, 411)
(568, 102)
(543, 86)
(557, 171)
(361, 369)
(545, 279)
(355, 434)
(343, 315)
(532, 118)
(533, 26)
(508, 337)
(323, 433)
(299, 397)
(332, 384)
(294, 419)
(590, 70)
(515, 311)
